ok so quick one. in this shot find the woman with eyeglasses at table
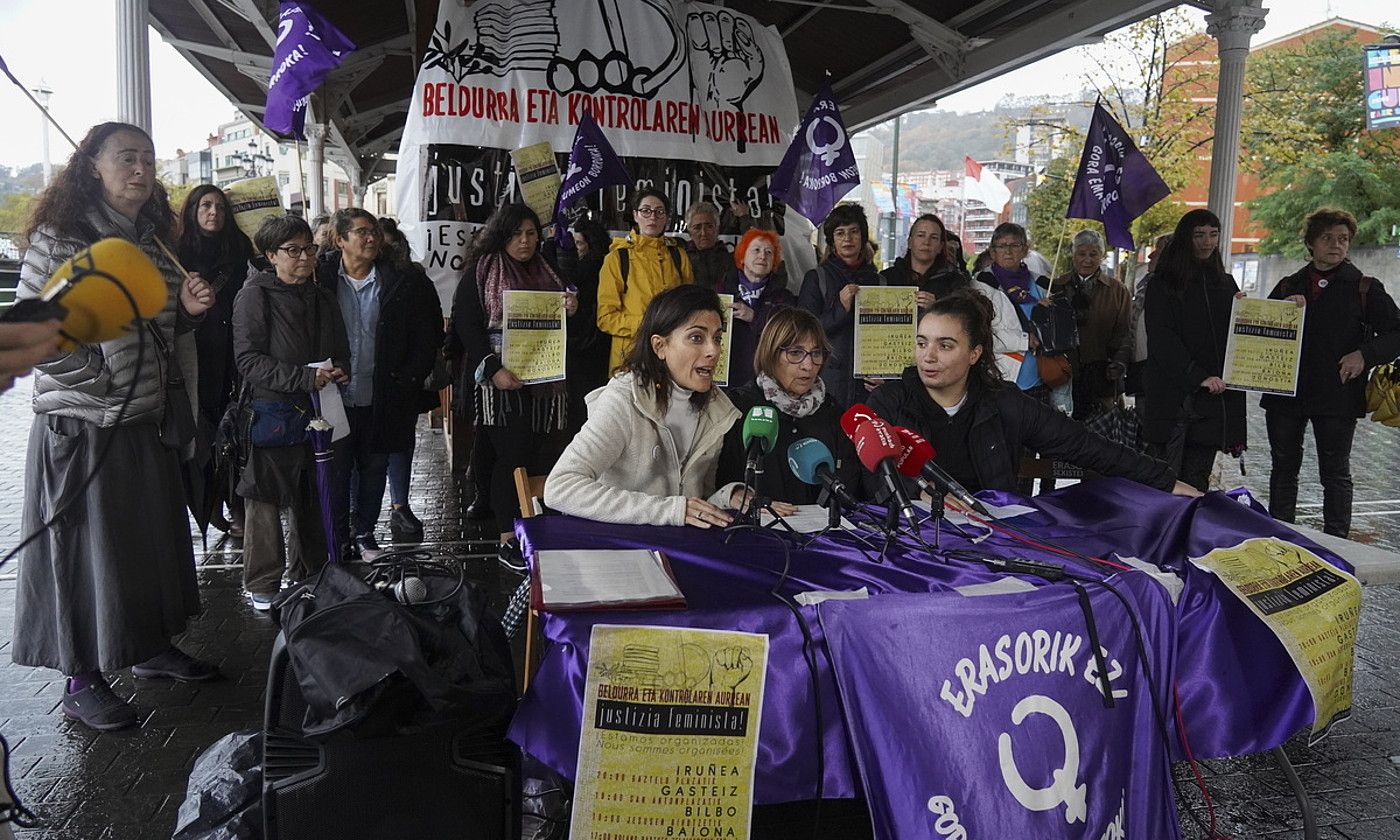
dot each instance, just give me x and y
(791, 352)
(638, 267)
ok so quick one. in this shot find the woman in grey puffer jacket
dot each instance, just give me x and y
(111, 580)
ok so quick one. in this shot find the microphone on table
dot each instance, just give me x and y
(89, 294)
(917, 463)
(760, 435)
(878, 448)
(811, 461)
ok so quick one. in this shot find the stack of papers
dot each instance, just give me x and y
(587, 579)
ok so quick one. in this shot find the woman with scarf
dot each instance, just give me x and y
(791, 352)
(829, 292)
(1190, 415)
(516, 418)
(757, 292)
(212, 246)
(1013, 338)
(928, 264)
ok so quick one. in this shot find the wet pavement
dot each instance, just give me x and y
(86, 786)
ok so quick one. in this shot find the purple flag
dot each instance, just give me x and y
(308, 48)
(985, 716)
(1116, 183)
(593, 165)
(819, 166)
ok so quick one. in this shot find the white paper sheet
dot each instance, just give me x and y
(809, 519)
(332, 407)
(589, 577)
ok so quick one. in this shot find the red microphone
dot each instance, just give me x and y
(916, 461)
(878, 448)
(854, 416)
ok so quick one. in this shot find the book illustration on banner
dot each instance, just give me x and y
(601, 579)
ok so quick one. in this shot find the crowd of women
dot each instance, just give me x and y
(1003, 362)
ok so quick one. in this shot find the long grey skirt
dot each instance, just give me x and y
(112, 580)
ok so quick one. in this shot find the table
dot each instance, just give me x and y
(1239, 692)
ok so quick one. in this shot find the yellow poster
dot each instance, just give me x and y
(538, 175)
(721, 377)
(1264, 347)
(885, 326)
(1312, 607)
(534, 336)
(670, 733)
(253, 200)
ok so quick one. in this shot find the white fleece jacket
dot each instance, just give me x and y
(622, 466)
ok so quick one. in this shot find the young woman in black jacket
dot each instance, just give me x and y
(929, 263)
(1346, 332)
(1190, 415)
(978, 424)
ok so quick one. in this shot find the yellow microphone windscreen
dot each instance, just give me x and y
(97, 309)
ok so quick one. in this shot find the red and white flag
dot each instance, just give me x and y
(981, 184)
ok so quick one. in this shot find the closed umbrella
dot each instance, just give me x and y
(319, 432)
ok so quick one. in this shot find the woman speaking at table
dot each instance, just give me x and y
(649, 451)
(788, 359)
(954, 396)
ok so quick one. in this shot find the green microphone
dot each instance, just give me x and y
(760, 436)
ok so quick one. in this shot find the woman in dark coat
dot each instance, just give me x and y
(978, 423)
(1190, 415)
(758, 292)
(1351, 325)
(516, 418)
(588, 345)
(929, 263)
(829, 292)
(213, 246)
(282, 322)
(788, 360)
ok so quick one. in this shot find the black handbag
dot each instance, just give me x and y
(278, 423)
(177, 424)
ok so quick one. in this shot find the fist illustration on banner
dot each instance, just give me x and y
(736, 61)
(732, 666)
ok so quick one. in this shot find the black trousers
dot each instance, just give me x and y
(513, 445)
(1192, 467)
(1333, 436)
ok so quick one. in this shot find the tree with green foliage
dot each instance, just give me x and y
(14, 211)
(1145, 75)
(1304, 134)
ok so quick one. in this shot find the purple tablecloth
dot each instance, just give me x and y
(1239, 691)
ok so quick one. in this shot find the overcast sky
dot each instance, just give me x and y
(80, 67)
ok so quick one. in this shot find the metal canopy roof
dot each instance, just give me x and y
(884, 57)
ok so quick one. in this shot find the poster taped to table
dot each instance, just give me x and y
(721, 375)
(1265, 346)
(1312, 607)
(537, 173)
(596, 579)
(885, 326)
(534, 336)
(669, 739)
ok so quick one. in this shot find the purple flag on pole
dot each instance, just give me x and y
(1116, 183)
(819, 167)
(308, 48)
(593, 165)
(985, 716)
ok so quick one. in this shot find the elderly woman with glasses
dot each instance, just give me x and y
(792, 349)
(1103, 313)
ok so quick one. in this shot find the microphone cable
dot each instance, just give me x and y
(101, 459)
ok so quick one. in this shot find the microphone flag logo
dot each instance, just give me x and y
(593, 165)
(819, 167)
(308, 48)
(1115, 183)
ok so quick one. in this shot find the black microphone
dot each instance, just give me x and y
(945, 482)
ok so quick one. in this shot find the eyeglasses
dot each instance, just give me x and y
(364, 232)
(652, 212)
(296, 252)
(795, 355)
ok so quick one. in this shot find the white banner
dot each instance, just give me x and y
(663, 79)
(684, 83)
